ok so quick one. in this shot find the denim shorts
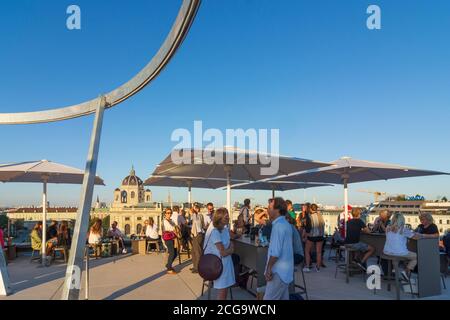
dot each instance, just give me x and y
(360, 246)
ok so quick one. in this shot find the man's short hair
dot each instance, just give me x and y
(356, 212)
(280, 204)
(176, 208)
(288, 202)
(196, 205)
(210, 204)
(246, 202)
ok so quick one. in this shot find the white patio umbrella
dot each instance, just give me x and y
(278, 186)
(347, 170)
(187, 182)
(44, 172)
(230, 164)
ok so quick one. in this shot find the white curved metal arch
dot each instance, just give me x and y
(173, 41)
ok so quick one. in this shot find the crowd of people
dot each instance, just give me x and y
(96, 235)
(397, 232)
(57, 234)
(293, 238)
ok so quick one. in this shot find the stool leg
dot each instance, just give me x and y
(397, 281)
(209, 289)
(231, 294)
(443, 282)
(304, 284)
(389, 274)
(203, 287)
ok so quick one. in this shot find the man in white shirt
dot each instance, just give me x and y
(209, 214)
(115, 233)
(280, 258)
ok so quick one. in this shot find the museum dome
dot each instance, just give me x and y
(132, 179)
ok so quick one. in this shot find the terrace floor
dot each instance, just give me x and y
(142, 277)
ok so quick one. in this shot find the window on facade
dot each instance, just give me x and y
(148, 198)
(127, 229)
(440, 221)
(132, 195)
(138, 228)
(123, 197)
(127, 219)
(139, 218)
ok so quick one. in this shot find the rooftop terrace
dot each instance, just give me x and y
(139, 277)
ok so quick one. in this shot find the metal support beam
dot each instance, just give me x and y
(71, 288)
(44, 223)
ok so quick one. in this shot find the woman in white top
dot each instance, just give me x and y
(96, 232)
(151, 230)
(170, 227)
(218, 242)
(396, 243)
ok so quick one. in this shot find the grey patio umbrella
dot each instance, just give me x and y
(230, 164)
(347, 170)
(44, 172)
(278, 186)
(187, 182)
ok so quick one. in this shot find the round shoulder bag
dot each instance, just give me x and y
(210, 266)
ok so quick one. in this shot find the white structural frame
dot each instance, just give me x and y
(178, 32)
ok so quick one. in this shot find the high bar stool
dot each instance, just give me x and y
(347, 265)
(394, 262)
(209, 285)
(303, 289)
(153, 242)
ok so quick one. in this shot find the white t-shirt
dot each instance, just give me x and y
(94, 238)
(174, 217)
(168, 226)
(396, 242)
(207, 218)
(152, 232)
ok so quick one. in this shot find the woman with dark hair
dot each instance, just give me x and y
(301, 218)
(314, 234)
(169, 231)
(96, 232)
(64, 238)
(218, 243)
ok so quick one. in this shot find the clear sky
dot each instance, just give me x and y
(310, 68)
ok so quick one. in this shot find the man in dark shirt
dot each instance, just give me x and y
(354, 228)
(52, 230)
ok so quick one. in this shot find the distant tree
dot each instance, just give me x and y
(444, 199)
(106, 222)
(400, 197)
(3, 221)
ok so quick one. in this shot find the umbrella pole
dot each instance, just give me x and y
(44, 223)
(273, 193)
(72, 283)
(345, 206)
(190, 196)
(229, 191)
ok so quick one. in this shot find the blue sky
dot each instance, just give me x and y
(310, 68)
